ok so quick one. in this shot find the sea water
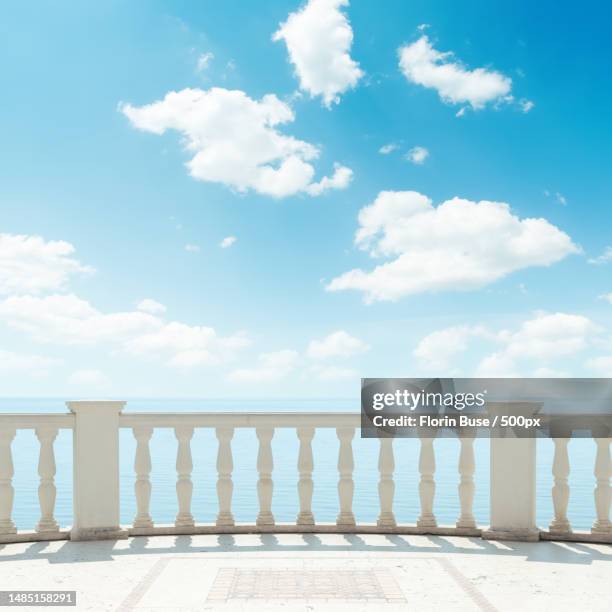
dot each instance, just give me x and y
(163, 447)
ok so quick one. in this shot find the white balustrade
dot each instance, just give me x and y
(560, 490)
(184, 486)
(386, 486)
(96, 475)
(466, 487)
(346, 487)
(142, 486)
(225, 486)
(305, 467)
(427, 485)
(46, 470)
(6, 481)
(603, 494)
(265, 485)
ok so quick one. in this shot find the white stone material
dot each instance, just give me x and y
(46, 470)
(427, 484)
(142, 486)
(305, 467)
(560, 490)
(346, 486)
(386, 485)
(96, 469)
(7, 491)
(603, 494)
(466, 487)
(184, 486)
(225, 486)
(265, 484)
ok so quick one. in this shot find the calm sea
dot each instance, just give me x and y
(285, 447)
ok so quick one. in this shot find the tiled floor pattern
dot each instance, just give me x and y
(364, 585)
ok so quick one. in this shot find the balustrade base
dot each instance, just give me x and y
(82, 534)
(516, 535)
(572, 536)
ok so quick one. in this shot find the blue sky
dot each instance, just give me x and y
(77, 167)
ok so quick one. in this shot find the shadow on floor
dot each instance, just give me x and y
(88, 552)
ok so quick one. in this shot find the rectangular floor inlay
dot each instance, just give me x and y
(364, 585)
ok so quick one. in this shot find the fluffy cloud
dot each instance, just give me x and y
(69, 320)
(528, 350)
(602, 366)
(192, 248)
(336, 344)
(204, 60)
(270, 367)
(388, 148)
(457, 245)
(88, 379)
(235, 141)
(30, 264)
(10, 362)
(150, 306)
(604, 258)
(436, 351)
(455, 84)
(227, 242)
(319, 39)
(417, 155)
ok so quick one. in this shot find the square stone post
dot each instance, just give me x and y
(513, 479)
(96, 470)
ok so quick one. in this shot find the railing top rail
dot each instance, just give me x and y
(241, 419)
(32, 420)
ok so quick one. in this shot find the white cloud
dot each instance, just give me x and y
(561, 198)
(388, 148)
(526, 105)
(329, 373)
(227, 242)
(455, 84)
(319, 39)
(69, 320)
(234, 140)
(602, 366)
(340, 179)
(417, 155)
(89, 378)
(150, 306)
(527, 351)
(459, 245)
(10, 361)
(336, 344)
(607, 297)
(270, 367)
(604, 258)
(437, 350)
(543, 339)
(204, 60)
(186, 345)
(192, 248)
(30, 264)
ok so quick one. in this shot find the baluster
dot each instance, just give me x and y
(46, 470)
(305, 466)
(6, 478)
(225, 486)
(142, 486)
(265, 486)
(386, 486)
(466, 488)
(427, 485)
(560, 490)
(184, 487)
(346, 487)
(602, 490)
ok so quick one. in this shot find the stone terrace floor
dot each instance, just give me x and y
(315, 572)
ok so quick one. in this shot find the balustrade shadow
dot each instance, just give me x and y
(300, 544)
